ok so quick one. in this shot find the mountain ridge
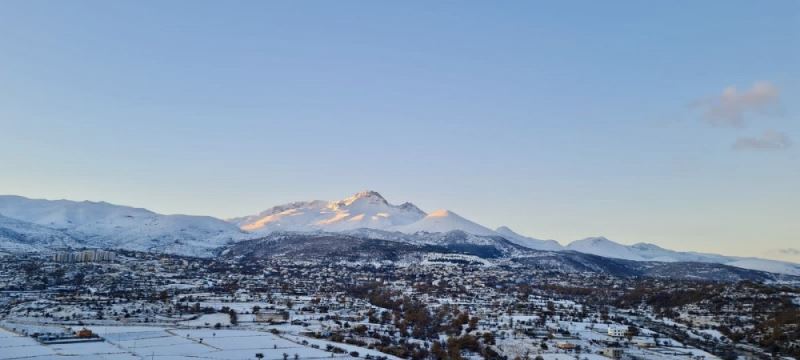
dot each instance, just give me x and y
(367, 209)
(39, 224)
(445, 220)
(101, 224)
(527, 241)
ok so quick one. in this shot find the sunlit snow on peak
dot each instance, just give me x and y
(366, 209)
(440, 213)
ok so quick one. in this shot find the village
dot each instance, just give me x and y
(136, 305)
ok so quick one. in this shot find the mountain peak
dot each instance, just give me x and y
(443, 221)
(412, 208)
(366, 194)
(505, 229)
(529, 242)
(442, 213)
(598, 239)
(602, 246)
(647, 246)
(365, 209)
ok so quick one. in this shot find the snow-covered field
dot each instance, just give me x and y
(13, 346)
(209, 320)
(144, 342)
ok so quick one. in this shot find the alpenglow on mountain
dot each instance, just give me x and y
(363, 210)
(370, 210)
(367, 209)
(44, 225)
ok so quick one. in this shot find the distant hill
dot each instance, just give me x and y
(38, 225)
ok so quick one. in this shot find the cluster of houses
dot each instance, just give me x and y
(521, 307)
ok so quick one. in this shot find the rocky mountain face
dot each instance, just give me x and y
(20, 236)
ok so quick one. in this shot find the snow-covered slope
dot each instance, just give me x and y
(369, 214)
(773, 266)
(649, 252)
(366, 209)
(100, 224)
(32, 224)
(529, 242)
(656, 253)
(20, 236)
(442, 221)
(604, 247)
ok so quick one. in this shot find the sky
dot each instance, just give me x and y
(675, 123)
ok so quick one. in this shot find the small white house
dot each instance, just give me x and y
(617, 331)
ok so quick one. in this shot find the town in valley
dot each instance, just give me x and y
(97, 304)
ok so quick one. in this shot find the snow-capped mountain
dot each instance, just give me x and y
(649, 252)
(100, 224)
(604, 247)
(367, 214)
(35, 225)
(529, 242)
(367, 209)
(442, 221)
(773, 266)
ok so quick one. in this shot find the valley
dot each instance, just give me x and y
(362, 278)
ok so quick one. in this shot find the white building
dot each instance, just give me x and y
(617, 331)
(84, 256)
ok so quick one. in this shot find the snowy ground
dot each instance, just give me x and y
(209, 320)
(590, 337)
(145, 342)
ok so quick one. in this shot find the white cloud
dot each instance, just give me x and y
(730, 108)
(770, 140)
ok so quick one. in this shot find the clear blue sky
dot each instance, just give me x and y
(559, 119)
